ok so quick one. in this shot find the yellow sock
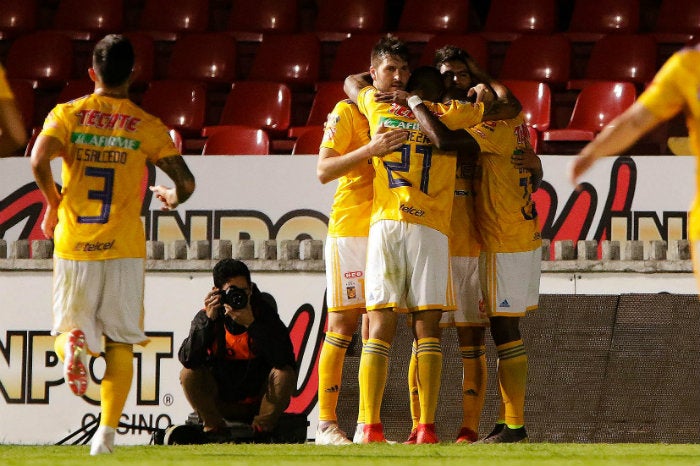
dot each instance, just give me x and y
(59, 345)
(429, 357)
(414, 399)
(374, 367)
(361, 403)
(474, 374)
(330, 373)
(512, 378)
(119, 363)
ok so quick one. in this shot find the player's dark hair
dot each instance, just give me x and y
(226, 269)
(389, 46)
(428, 80)
(450, 53)
(113, 60)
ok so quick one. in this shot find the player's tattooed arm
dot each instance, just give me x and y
(178, 171)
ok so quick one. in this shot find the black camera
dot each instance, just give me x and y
(235, 297)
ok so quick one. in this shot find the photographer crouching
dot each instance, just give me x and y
(238, 357)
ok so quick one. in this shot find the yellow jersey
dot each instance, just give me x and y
(415, 184)
(346, 130)
(5, 90)
(464, 237)
(107, 142)
(506, 217)
(676, 88)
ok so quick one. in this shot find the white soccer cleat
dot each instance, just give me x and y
(75, 363)
(359, 433)
(103, 441)
(331, 435)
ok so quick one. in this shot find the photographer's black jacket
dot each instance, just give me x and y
(268, 339)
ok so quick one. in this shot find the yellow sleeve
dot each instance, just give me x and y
(337, 133)
(457, 114)
(664, 97)
(157, 143)
(365, 99)
(5, 90)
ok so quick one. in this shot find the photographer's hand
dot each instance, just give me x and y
(212, 304)
(243, 316)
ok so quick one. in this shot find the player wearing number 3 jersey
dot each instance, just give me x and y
(105, 142)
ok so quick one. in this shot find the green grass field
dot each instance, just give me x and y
(544, 454)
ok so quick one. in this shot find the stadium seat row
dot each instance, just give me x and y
(585, 20)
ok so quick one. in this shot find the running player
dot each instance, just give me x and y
(105, 141)
(673, 90)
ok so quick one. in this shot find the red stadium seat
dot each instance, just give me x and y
(420, 20)
(76, 88)
(24, 98)
(506, 20)
(144, 59)
(89, 19)
(353, 55)
(335, 21)
(293, 59)
(308, 141)
(596, 106)
(250, 19)
(327, 95)
(592, 20)
(620, 57)
(18, 17)
(677, 21)
(258, 104)
(206, 57)
(177, 139)
(237, 140)
(536, 57)
(179, 104)
(536, 99)
(165, 20)
(44, 57)
(474, 44)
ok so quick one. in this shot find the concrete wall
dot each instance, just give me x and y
(613, 361)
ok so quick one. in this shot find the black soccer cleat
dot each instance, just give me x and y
(508, 435)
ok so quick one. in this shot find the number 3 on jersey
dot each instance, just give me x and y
(105, 195)
(405, 165)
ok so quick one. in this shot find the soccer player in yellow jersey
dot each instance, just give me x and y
(470, 318)
(345, 154)
(510, 248)
(12, 133)
(408, 258)
(105, 142)
(674, 89)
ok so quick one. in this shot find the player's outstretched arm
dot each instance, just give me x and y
(178, 171)
(615, 138)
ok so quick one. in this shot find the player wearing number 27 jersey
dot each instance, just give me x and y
(415, 184)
